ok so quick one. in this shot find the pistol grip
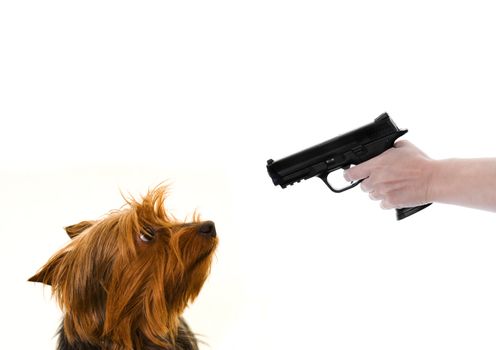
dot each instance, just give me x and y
(406, 212)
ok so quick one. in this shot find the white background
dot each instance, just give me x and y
(98, 97)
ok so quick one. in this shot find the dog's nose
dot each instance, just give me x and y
(207, 228)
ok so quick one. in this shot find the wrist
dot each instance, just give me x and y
(442, 183)
(434, 174)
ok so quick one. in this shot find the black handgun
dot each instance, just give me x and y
(341, 152)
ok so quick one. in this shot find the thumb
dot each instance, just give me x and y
(358, 172)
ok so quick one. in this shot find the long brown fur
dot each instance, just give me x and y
(123, 281)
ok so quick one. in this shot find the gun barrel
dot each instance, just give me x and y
(352, 147)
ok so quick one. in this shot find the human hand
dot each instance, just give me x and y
(399, 178)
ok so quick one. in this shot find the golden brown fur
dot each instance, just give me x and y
(124, 281)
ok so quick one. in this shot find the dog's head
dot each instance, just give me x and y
(131, 273)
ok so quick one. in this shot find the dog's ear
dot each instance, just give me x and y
(76, 229)
(45, 274)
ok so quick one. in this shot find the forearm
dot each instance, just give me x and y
(466, 182)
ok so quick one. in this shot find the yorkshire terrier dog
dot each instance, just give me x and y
(123, 281)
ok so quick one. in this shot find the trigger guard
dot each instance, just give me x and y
(323, 177)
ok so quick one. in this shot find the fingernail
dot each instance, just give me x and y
(346, 176)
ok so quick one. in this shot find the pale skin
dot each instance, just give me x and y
(404, 176)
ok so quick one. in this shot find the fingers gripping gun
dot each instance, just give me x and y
(341, 152)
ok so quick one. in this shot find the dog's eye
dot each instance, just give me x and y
(147, 234)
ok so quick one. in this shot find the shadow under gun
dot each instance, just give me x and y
(341, 152)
